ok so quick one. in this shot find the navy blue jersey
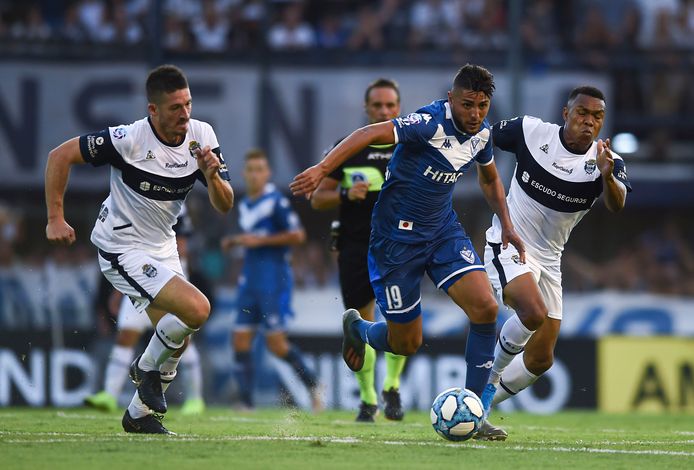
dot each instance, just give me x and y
(267, 267)
(416, 201)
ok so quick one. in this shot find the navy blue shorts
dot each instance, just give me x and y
(396, 270)
(263, 309)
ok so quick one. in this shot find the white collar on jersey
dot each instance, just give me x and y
(269, 187)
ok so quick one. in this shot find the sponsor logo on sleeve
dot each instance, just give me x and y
(411, 119)
(545, 148)
(118, 133)
(91, 146)
(103, 213)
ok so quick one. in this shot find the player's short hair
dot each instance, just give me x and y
(164, 79)
(382, 83)
(585, 90)
(475, 78)
(255, 154)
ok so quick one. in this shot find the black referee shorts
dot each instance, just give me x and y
(354, 275)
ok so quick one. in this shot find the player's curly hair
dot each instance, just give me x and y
(164, 79)
(475, 78)
(382, 83)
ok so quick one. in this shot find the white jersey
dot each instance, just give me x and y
(552, 188)
(150, 180)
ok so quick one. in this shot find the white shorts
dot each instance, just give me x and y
(131, 319)
(503, 266)
(138, 274)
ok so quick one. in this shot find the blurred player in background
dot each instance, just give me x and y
(354, 187)
(131, 325)
(154, 164)
(560, 171)
(270, 227)
(415, 229)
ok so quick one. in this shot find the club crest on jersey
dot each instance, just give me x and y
(590, 166)
(468, 255)
(193, 145)
(150, 155)
(149, 270)
(118, 133)
(474, 141)
(545, 148)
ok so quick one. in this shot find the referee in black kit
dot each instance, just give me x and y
(354, 187)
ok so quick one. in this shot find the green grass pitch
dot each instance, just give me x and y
(286, 439)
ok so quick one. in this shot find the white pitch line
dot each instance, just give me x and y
(353, 440)
(62, 414)
(247, 419)
(641, 443)
(53, 433)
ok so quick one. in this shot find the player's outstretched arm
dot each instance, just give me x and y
(615, 191)
(60, 160)
(493, 190)
(307, 181)
(219, 191)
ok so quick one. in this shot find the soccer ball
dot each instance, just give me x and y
(456, 414)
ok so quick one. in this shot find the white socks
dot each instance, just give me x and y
(167, 338)
(193, 372)
(515, 378)
(512, 339)
(117, 369)
(137, 409)
(167, 371)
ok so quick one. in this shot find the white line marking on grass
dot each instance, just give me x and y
(540, 428)
(246, 419)
(30, 433)
(685, 433)
(354, 440)
(639, 443)
(62, 414)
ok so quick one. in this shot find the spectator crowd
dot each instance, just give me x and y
(549, 29)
